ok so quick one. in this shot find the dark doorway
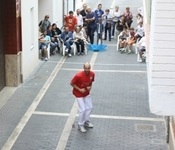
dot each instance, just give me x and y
(2, 62)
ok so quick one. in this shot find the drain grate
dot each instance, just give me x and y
(145, 128)
(158, 141)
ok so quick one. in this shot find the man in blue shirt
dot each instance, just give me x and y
(67, 38)
(98, 12)
(91, 24)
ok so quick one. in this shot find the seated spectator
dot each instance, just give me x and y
(131, 40)
(120, 25)
(56, 33)
(141, 48)
(79, 41)
(53, 43)
(139, 18)
(123, 40)
(67, 38)
(128, 17)
(140, 31)
(44, 41)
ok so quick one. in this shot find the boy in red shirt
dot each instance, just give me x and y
(82, 84)
(70, 21)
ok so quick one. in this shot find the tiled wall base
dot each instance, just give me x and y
(13, 69)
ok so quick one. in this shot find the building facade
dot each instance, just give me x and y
(19, 35)
(160, 33)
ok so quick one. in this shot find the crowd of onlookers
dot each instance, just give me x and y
(79, 28)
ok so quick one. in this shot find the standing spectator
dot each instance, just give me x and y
(83, 12)
(100, 29)
(79, 18)
(116, 17)
(82, 84)
(107, 17)
(98, 12)
(70, 21)
(43, 25)
(67, 37)
(91, 25)
(128, 17)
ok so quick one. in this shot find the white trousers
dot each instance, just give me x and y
(85, 108)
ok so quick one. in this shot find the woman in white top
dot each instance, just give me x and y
(116, 17)
(79, 40)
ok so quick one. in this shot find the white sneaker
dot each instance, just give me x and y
(112, 37)
(46, 59)
(69, 55)
(88, 124)
(81, 128)
(66, 50)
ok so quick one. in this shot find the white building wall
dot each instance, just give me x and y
(29, 14)
(53, 8)
(161, 68)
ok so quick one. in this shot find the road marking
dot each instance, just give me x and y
(102, 116)
(71, 119)
(102, 64)
(125, 71)
(16, 132)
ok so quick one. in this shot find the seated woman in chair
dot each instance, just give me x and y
(44, 41)
(123, 36)
(79, 40)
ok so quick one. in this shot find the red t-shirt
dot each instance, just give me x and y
(71, 22)
(82, 80)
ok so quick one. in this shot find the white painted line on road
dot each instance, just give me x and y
(17, 131)
(50, 113)
(125, 71)
(103, 116)
(102, 64)
(127, 118)
(71, 119)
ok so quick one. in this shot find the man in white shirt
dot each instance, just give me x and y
(79, 18)
(116, 17)
(107, 21)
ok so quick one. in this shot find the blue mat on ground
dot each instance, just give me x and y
(96, 47)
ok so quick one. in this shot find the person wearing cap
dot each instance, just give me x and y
(82, 84)
(44, 24)
(70, 21)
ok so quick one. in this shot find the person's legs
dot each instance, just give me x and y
(81, 110)
(113, 28)
(88, 108)
(77, 47)
(105, 33)
(109, 33)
